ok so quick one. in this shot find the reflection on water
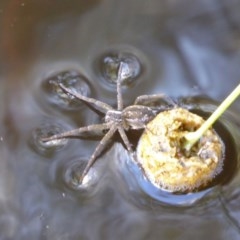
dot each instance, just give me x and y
(184, 48)
(108, 66)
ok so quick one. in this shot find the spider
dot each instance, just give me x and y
(119, 120)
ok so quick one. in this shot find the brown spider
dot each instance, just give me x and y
(121, 119)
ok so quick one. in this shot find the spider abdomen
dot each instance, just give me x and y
(137, 116)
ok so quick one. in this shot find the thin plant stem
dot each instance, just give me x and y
(192, 137)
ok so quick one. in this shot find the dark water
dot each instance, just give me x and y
(181, 48)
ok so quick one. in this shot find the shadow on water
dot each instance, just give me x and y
(181, 48)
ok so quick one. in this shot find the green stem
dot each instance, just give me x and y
(192, 137)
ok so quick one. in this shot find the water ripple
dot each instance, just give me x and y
(71, 79)
(47, 129)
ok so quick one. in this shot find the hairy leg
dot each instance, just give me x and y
(101, 106)
(100, 147)
(96, 129)
(147, 100)
(119, 90)
(127, 144)
(125, 139)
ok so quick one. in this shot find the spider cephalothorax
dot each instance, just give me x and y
(118, 120)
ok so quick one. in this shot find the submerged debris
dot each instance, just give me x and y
(164, 160)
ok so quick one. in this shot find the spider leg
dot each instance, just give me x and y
(147, 100)
(128, 145)
(119, 85)
(100, 147)
(101, 106)
(95, 128)
(125, 140)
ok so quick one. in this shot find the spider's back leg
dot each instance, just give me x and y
(101, 106)
(100, 147)
(125, 140)
(128, 144)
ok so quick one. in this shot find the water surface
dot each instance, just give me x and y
(183, 48)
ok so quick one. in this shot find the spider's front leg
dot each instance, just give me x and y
(155, 100)
(98, 105)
